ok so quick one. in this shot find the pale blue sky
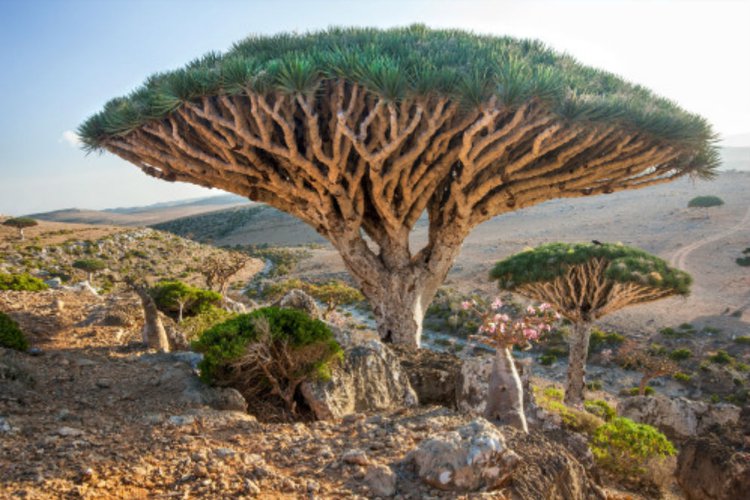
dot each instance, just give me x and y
(62, 60)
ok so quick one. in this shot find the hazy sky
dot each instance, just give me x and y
(62, 60)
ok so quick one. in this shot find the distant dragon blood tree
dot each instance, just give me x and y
(20, 223)
(584, 282)
(358, 132)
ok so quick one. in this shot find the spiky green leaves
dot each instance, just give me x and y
(405, 62)
(624, 264)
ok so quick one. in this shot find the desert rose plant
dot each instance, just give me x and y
(500, 331)
(585, 281)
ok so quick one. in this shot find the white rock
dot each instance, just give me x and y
(381, 480)
(472, 457)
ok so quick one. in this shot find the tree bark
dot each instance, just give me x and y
(154, 334)
(505, 392)
(579, 350)
(399, 311)
(399, 286)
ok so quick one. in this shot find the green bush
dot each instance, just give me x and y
(625, 447)
(547, 359)
(194, 326)
(705, 202)
(633, 391)
(680, 354)
(745, 339)
(721, 357)
(682, 377)
(594, 385)
(600, 339)
(551, 399)
(227, 341)
(21, 282)
(600, 408)
(11, 335)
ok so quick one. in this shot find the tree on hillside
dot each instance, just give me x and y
(584, 282)
(217, 269)
(90, 267)
(179, 297)
(20, 223)
(154, 335)
(705, 202)
(650, 364)
(358, 132)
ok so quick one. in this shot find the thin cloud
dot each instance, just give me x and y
(71, 138)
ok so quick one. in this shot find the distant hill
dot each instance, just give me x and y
(244, 225)
(143, 216)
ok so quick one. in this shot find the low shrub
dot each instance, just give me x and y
(547, 359)
(600, 339)
(11, 336)
(721, 357)
(268, 352)
(193, 326)
(594, 385)
(680, 354)
(624, 447)
(745, 339)
(633, 391)
(600, 408)
(551, 399)
(682, 377)
(21, 283)
(707, 201)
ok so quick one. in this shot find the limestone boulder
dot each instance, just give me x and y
(709, 468)
(370, 379)
(472, 457)
(298, 299)
(472, 384)
(678, 418)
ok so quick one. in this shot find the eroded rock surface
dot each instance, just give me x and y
(678, 418)
(472, 457)
(371, 379)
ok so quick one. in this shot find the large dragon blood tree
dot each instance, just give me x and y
(585, 281)
(358, 132)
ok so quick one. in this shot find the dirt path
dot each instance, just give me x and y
(681, 255)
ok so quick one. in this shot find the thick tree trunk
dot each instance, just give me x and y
(579, 351)
(398, 310)
(154, 334)
(505, 392)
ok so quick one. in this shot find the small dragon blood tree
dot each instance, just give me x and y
(359, 132)
(584, 282)
(497, 330)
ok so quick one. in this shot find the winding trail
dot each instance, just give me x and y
(681, 255)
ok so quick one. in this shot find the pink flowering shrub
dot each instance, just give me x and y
(499, 330)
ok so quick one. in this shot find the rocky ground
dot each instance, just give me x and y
(95, 415)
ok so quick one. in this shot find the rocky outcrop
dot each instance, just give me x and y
(709, 468)
(678, 418)
(548, 470)
(175, 373)
(371, 379)
(472, 457)
(297, 299)
(472, 383)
